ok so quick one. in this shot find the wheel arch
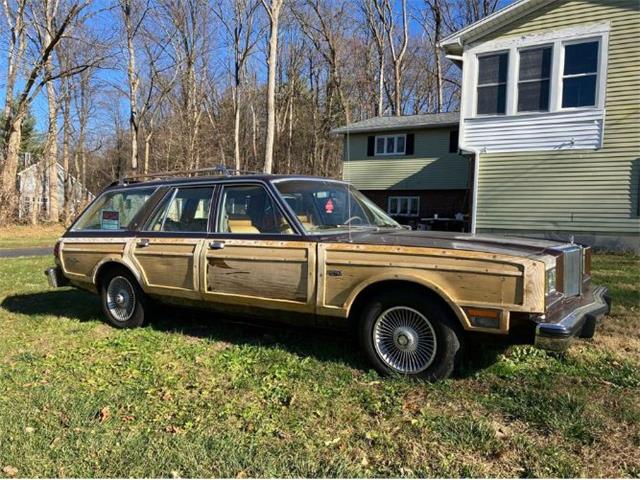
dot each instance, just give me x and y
(367, 290)
(109, 263)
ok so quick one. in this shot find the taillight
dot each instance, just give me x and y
(56, 250)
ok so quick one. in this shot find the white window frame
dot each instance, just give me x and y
(557, 39)
(598, 74)
(410, 200)
(477, 84)
(395, 144)
(550, 78)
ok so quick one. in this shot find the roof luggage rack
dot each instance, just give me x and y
(220, 171)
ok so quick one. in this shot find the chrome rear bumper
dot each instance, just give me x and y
(576, 318)
(55, 277)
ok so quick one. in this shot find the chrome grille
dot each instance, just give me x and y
(572, 270)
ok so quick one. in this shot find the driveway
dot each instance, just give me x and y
(25, 252)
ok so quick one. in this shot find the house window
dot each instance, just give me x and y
(580, 74)
(492, 84)
(534, 80)
(404, 206)
(391, 144)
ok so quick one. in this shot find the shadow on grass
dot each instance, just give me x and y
(322, 344)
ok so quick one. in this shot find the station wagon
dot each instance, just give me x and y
(315, 251)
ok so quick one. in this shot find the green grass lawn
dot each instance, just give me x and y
(191, 395)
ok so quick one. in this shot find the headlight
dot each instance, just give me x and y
(551, 281)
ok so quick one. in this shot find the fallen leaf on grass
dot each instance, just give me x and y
(29, 429)
(104, 414)
(10, 471)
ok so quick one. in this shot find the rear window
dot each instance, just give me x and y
(114, 210)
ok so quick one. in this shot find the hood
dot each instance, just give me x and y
(498, 244)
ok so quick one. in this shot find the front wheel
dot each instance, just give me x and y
(123, 301)
(407, 334)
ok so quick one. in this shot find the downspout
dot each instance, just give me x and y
(474, 192)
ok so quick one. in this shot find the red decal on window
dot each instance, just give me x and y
(328, 207)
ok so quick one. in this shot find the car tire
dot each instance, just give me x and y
(409, 334)
(123, 301)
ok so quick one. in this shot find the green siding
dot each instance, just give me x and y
(431, 167)
(581, 191)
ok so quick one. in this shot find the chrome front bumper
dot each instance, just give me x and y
(55, 277)
(577, 318)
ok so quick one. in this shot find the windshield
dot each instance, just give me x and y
(324, 205)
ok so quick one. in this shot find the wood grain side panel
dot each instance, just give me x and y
(167, 264)
(467, 278)
(81, 259)
(273, 272)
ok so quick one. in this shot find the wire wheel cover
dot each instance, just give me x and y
(121, 299)
(405, 340)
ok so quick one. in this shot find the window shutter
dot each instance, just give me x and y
(453, 140)
(371, 143)
(409, 146)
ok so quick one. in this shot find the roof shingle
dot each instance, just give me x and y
(379, 124)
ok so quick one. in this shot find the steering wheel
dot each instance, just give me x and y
(353, 219)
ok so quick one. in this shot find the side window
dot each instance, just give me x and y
(114, 210)
(250, 209)
(580, 74)
(184, 210)
(492, 84)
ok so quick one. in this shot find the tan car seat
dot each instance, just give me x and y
(306, 221)
(241, 225)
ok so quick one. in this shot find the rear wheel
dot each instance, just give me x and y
(409, 334)
(123, 301)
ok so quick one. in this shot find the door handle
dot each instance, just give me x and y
(216, 245)
(143, 242)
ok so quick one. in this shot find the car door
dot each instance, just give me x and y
(254, 257)
(168, 246)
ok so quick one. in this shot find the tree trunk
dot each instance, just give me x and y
(66, 141)
(274, 22)
(236, 126)
(51, 149)
(8, 191)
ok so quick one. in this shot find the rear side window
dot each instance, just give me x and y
(183, 210)
(114, 210)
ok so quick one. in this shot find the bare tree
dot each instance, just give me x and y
(273, 9)
(240, 28)
(133, 14)
(36, 79)
(398, 43)
(15, 16)
(377, 33)
(323, 25)
(435, 29)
